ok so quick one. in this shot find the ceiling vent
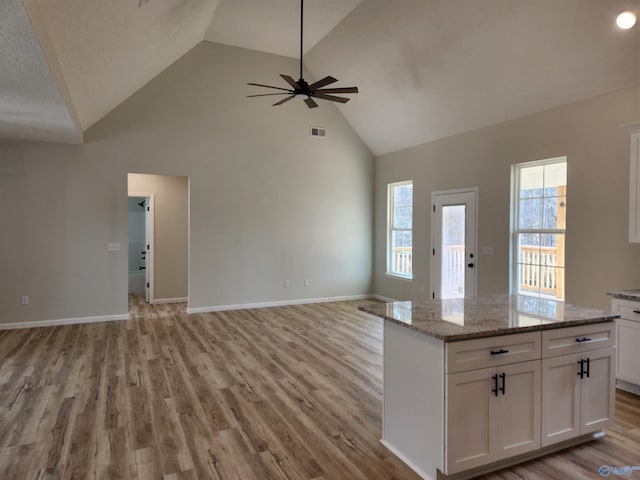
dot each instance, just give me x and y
(318, 132)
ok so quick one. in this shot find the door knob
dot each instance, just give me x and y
(470, 265)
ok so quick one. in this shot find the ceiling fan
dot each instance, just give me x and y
(301, 89)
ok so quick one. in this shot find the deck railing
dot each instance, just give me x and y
(403, 260)
(539, 270)
(452, 272)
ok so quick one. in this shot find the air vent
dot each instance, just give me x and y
(318, 132)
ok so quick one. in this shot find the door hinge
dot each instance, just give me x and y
(433, 295)
(148, 209)
(434, 208)
(147, 285)
(434, 251)
(148, 247)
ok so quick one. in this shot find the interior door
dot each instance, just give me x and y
(454, 233)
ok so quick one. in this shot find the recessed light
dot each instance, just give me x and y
(626, 20)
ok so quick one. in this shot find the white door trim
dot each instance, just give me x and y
(149, 239)
(434, 194)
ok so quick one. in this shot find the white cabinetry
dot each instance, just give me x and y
(468, 407)
(491, 413)
(628, 368)
(634, 183)
(577, 381)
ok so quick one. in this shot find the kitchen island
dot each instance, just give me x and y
(474, 385)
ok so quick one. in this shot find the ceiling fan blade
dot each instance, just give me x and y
(268, 86)
(291, 81)
(268, 94)
(331, 98)
(282, 101)
(321, 83)
(339, 90)
(310, 103)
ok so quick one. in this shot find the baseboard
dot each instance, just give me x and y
(407, 462)
(382, 298)
(628, 387)
(169, 300)
(278, 303)
(63, 321)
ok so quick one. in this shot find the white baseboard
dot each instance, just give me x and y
(278, 303)
(169, 300)
(407, 462)
(628, 387)
(63, 321)
(382, 298)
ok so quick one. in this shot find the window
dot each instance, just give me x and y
(400, 229)
(538, 226)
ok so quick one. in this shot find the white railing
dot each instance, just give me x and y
(403, 260)
(452, 272)
(539, 272)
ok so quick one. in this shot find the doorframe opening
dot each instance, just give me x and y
(156, 203)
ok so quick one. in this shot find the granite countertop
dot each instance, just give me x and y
(625, 294)
(488, 316)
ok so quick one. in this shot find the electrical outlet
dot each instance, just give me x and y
(25, 300)
(287, 284)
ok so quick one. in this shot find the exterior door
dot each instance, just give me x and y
(454, 233)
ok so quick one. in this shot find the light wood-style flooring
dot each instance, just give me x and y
(280, 393)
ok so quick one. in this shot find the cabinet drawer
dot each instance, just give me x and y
(563, 341)
(475, 354)
(626, 309)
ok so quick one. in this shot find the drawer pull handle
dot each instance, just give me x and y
(499, 352)
(587, 372)
(494, 390)
(503, 376)
(581, 372)
(636, 311)
(583, 339)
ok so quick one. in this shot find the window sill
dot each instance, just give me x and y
(398, 277)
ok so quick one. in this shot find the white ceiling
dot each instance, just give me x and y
(426, 69)
(273, 26)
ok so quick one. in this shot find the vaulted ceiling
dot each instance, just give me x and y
(426, 69)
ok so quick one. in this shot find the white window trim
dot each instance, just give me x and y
(390, 205)
(513, 221)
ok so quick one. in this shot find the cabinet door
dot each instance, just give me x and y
(467, 420)
(597, 396)
(628, 354)
(561, 399)
(517, 413)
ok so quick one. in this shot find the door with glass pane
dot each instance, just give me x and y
(453, 227)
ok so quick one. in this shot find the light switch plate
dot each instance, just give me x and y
(113, 247)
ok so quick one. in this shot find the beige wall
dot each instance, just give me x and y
(267, 202)
(171, 231)
(598, 256)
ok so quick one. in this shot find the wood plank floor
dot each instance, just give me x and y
(280, 393)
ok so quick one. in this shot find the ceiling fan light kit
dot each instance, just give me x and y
(301, 89)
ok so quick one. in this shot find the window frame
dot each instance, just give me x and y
(515, 230)
(390, 229)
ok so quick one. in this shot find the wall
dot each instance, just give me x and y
(267, 202)
(598, 256)
(171, 232)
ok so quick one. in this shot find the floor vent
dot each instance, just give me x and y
(318, 132)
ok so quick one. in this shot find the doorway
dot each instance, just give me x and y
(159, 238)
(454, 244)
